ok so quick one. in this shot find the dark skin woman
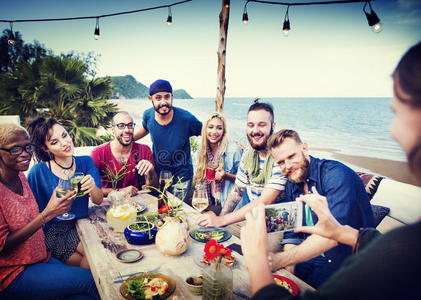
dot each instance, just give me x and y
(27, 271)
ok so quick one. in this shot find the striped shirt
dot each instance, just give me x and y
(277, 180)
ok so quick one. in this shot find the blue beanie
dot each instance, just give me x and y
(160, 85)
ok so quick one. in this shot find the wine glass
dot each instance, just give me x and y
(75, 181)
(165, 178)
(63, 188)
(200, 199)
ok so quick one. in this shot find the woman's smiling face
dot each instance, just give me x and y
(59, 142)
(215, 130)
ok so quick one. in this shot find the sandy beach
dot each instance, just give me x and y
(396, 170)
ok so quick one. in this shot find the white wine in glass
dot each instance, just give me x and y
(64, 187)
(200, 200)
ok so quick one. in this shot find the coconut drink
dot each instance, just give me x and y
(172, 239)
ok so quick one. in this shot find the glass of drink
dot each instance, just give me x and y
(200, 198)
(165, 179)
(75, 182)
(210, 174)
(64, 187)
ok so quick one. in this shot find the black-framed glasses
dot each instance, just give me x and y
(17, 150)
(121, 126)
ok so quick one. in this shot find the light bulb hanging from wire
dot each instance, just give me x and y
(169, 19)
(226, 3)
(286, 27)
(372, 19)
(11, 38)
(245, 15)
(96, 32)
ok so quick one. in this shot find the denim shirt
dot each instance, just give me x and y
(346, 197)
(231, 158)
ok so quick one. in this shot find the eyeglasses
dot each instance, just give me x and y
(159, 97)
(121, 126)
(17, 150)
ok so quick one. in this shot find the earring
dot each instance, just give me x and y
(50, 155)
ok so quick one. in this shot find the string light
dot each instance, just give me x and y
(245, 15)
(286, 27)
(227, 3)
(372, 18)
(169, 19)
(96, 32)
(11, 39)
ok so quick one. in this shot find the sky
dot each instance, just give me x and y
(330, 51)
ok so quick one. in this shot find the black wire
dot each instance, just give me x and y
(96, 17)
(309, 3)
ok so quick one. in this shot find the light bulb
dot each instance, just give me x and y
(11, 39)
(245, 18)
(377, 27)
(96, 34)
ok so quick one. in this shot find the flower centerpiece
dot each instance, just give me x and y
(217, 279)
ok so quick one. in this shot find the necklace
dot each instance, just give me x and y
(65, 170)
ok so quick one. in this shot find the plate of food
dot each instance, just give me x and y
(139, 206)
(147, 286)
(286, 283)
(204, 234)
(230, 261)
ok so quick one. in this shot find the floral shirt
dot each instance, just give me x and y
(15, 212)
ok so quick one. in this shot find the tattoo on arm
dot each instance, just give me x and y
(233, 198)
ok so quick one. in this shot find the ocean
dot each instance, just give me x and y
(353, 126)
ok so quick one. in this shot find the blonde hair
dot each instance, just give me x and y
(7, 130)
(203, 158)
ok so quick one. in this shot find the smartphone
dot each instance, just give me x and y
(235, 247)
(284, 216)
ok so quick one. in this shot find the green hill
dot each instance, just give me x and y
(181, 94)
(128, 87)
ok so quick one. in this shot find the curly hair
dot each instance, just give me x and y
(39, 131)
(7, 130)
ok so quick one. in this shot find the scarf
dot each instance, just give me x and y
(251, 166)
(213, 187)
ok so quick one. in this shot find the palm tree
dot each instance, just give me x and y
(57, 87)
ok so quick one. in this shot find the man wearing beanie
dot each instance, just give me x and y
(170, 128)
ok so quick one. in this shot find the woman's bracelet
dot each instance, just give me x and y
(42, 219)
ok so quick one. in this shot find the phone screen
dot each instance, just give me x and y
(284, 216)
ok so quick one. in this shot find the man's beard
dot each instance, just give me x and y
(124, 144)
(260, 146)
(300, 171)
(161, 113)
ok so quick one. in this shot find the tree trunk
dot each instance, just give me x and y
(223, 31)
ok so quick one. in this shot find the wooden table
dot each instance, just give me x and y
(101, 244)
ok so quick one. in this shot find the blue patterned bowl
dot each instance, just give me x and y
(140, 233)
